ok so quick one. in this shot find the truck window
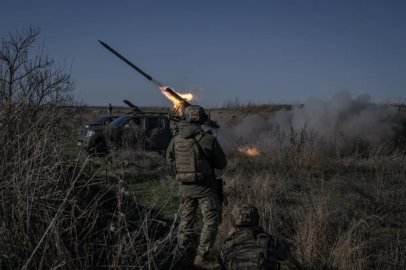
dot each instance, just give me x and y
(161, 123)
(136, 123)
(156, 123)
(153, 123)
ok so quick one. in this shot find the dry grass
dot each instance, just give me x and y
(338, 209)
(54, 216)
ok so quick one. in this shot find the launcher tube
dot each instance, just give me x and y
(125, 60)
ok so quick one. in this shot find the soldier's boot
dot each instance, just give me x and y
(202, 263)
(186, 252)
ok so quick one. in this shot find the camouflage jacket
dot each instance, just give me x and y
(252, 248)
(212, 151)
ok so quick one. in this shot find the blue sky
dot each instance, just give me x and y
(263, 51)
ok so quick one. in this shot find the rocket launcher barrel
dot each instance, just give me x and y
(184, 103)
(181, 100)
(211, 123)
(125, 60)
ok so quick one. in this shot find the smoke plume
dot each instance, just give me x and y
(342, 119)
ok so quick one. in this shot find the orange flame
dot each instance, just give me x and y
(176, 102)
(250, 151)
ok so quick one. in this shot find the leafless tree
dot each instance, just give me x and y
(32, 85)
(52, 216)
(33, 79)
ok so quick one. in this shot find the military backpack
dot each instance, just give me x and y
(250, 249)
(191, 163)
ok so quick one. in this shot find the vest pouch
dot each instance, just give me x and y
(247, 250)
(246, 257)
(190, 178)
(187, 178)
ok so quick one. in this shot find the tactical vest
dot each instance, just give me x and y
(248, 250)
(191, 163)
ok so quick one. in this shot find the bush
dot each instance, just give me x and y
(52, 213)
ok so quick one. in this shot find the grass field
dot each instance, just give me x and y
(338, 209)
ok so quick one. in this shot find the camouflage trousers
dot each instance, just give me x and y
(209, 206)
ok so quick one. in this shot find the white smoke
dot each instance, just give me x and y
(353, 119)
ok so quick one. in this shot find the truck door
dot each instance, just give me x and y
(134, 132)
(158, 132)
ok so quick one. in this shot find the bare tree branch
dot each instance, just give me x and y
(37, 80)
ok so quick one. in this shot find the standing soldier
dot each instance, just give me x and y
(110, 109)
(193, 155)
(248, 246)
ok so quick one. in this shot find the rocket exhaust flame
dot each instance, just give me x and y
(179, 100)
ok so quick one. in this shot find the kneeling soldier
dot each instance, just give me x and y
(248, 246)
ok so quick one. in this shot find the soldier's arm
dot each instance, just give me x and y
(219, 159)
(279, 247)
(213, 151)
(170, 156)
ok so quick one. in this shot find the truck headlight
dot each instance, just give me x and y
(90, 133)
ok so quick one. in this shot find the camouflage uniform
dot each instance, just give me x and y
(196, 188)
(249, 247)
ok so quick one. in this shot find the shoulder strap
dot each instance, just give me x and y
(176, 139)
(197, 142)
(263, 240)
(199, 136)
(206, 156)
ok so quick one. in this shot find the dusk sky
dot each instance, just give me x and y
(263, 51)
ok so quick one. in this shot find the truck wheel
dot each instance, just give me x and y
(100, 147)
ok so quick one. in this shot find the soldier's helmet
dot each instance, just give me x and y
(244, 215)
(194, 114)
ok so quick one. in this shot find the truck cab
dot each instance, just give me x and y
(148, 130)
(151, 128)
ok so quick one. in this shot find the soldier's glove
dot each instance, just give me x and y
(283, 249)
